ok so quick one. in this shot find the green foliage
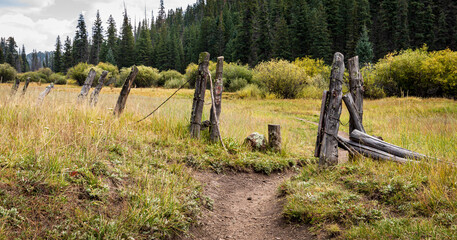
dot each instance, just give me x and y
(235, 72)
(364, 48)
(34, 77)
(112, 69)
(147, 76)
(79, 72)
(250, 91)
(191, 74)
(415, 72)
(58, 78)
(281, 77)
(237, 84)
(170, 75)
(174, 83)
(7, 73)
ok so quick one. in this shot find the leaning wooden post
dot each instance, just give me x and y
(15, 86)
(122, 100)
(274, 137)
(217, 93)
(356, 89)
(87, 85)
(320, 128)
(353, 113)
(45, 93)
(94, 96)
(329, 148)
(27, 82)
(199, 96)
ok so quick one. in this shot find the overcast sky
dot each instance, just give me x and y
(36, 23)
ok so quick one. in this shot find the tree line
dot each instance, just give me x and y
(252, 31)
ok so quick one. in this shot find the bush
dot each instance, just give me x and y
(79, 72)
(174, 83)
(281, 77)
(250, 91)
(372, 89)
(235, 72)
(7, 73)
(58, 78)
(147, 76)
(45, 73)
(237, 84)
(113, 71)
(191, 74)
(166, 76)
(34, 77)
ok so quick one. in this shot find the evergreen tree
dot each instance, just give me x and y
(263, 34)
(110, 57)
(67, 59)
(2, 58)
(11, 53)
(126, 44)
(364, 48)
(320, 44)
(97, 40)
(143, 47)
(57, 66)
(402, 31)
(299, 29)
(111, 41)
(25, 63)
(281, 44)
(420, 20)
(162, 15)
(441, 32)
(243, 42)
(80, 43)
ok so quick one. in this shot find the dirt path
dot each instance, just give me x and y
(246, 206)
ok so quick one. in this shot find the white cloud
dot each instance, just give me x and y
(36, 23)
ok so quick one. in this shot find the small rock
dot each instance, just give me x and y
(256, 141)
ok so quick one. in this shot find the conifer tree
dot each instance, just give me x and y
(11, 53)
(281, 44)
(244, 42)
(80, 42)
(143, 47)
(57, 66)
(97, 40)
(111, 41)
(25, 63)
(126, 44)
(421, 19)
(401, 31)
(364, 48)
(67, 58)
(2, 58)
(263, 33)
(110, 57)
(299, 29)
(320, 45)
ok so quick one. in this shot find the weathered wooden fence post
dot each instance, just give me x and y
(15, 86)
(320, 128)
(199, 96)
(45, 93)
(27, 82)
(87, 85)
(353, 113)
(329, 147)
(94, 96)
(356, 89)
(122, 100)
(217, 93)
(274, 137)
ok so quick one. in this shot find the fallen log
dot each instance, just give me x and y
(94, 95)
(370, 141)
(370, 152)
(355, 117)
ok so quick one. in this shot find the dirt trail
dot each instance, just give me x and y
(246, 206)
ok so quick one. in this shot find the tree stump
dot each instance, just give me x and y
(87, 85)
(274, 137)
(45, 93)
(217, 93)
(94, 96)
(329, 148)
(122, 100)
(27, 82)
(199, 95)
(356, 89)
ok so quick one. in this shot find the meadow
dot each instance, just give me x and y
(70, 171)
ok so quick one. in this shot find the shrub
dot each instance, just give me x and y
(113, 71)
(174, 83)
(237, 84)
(58, 79)
(34, 77)
(79, 72)
(281, 77)
(7, 73)
(372, 89)
(235, 72)
(45, 73)
(147, 76)
(166, 76)
(250, 91)
(191, 74)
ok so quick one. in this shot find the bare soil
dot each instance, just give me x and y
(246, 206)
